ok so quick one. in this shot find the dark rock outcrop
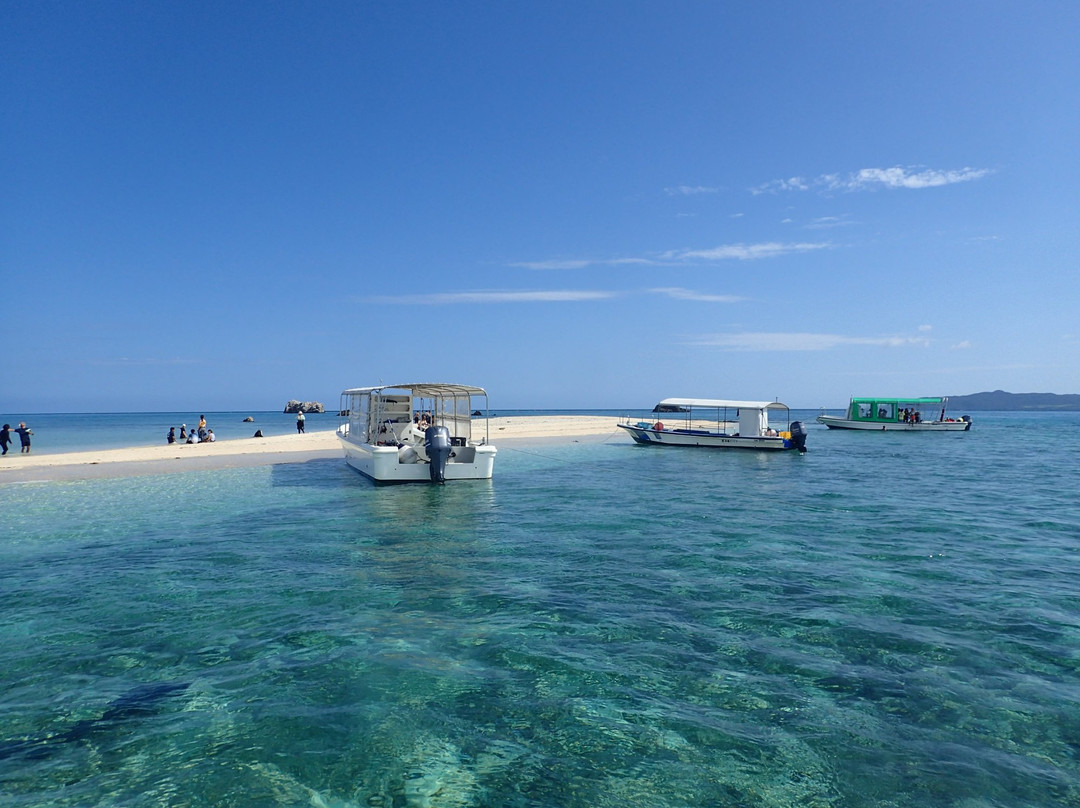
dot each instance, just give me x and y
(303, 406)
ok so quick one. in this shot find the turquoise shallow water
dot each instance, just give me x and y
(888, 620)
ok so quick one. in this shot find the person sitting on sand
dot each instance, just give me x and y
(210, 436)
(171, 438)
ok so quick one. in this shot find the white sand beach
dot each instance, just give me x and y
(180, 457)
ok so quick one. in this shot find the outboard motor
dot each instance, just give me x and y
(437, 446)
(798, 436)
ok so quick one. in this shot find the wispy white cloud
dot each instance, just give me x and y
(724, 252)
(962, 345)
(778, 186)
(689, 294)
(744, 252)
(797, 341)
(829, 222)
(547, 296)
(497, 296)
(898, 177)
(581, 263)
(873, 178)
(690, 190)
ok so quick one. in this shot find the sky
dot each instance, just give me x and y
(571, 203)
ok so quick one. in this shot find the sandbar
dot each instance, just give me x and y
(239, 452)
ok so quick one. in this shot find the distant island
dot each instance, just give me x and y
(1000, 400)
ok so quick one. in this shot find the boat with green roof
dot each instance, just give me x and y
(925, 414)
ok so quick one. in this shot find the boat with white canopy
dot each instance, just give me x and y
(420, 432)
(718, 424)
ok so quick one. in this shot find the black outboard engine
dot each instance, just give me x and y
(437, 446)
(798, 435)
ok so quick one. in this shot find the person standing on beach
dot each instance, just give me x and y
(5, 438)
(24, 436)
(300, 422)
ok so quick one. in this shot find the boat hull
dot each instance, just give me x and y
(836, 422)
(648, 436)
(383, 464)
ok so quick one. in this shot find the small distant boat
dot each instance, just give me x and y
(897, 414)
(421, 432)
(718, 424)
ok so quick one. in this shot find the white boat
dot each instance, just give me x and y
(897, 414)
(718, 424)
(405, 433)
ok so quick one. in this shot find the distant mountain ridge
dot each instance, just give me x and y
(1000, 400)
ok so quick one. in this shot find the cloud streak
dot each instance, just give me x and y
(578, 263)
(690, 190)
(745, 252)
(798, 341)
(501, 296)
(497, 296)
(679, 293)
(869, 179)
(723, 252)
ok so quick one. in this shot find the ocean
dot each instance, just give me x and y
(55, 433)
(888, 620)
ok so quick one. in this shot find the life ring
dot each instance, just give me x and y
(658, 426)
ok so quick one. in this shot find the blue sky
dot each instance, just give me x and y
(210, 206)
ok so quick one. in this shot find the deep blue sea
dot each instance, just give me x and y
(890, 619)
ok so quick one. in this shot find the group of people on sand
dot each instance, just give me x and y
(200, 434)
(22, 431)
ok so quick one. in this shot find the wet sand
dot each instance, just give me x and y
(180, 457)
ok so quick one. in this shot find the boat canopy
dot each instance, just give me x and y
(721, 403)
(422, 389)
(899, 400)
